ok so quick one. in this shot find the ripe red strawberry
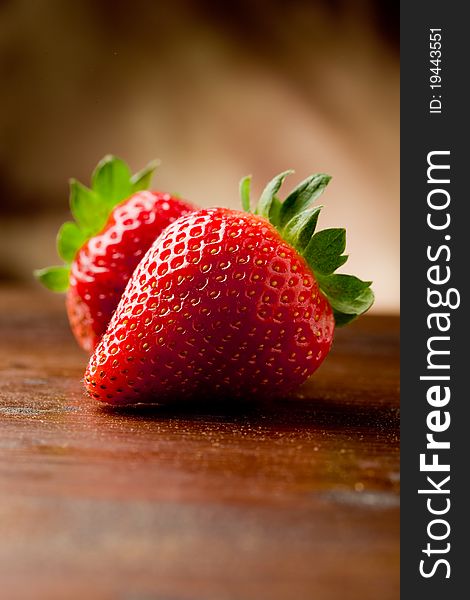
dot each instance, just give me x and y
(106, 243)
(230, 303)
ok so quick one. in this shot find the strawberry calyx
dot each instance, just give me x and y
(111, 183)
(296, 219)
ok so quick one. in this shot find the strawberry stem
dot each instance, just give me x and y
(296, 221)
(111, 183)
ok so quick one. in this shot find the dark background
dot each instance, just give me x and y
(216, 90)
(422, 132)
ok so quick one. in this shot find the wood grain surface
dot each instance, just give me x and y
(294, 499)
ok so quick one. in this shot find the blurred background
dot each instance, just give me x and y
(216, 90)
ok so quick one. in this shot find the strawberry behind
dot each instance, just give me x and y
(103, 265)
(116, 221)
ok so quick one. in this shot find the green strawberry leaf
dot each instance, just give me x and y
(299, 230)
(345, 286)
(275, 210)
(142, 179)
(111, 184)
(111, 180)
(348, 296)
(296, 221)
(245, 185)
(55, 279)
(303, 196)
(87, 208)
(267, 197)
(69, 239)
(346, 293)
(324, 250)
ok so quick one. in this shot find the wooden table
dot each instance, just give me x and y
(295, 499)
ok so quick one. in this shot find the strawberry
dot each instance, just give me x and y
(230, 303)
(105, 244)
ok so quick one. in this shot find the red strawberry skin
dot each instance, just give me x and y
(221, 306)
(103, 265)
